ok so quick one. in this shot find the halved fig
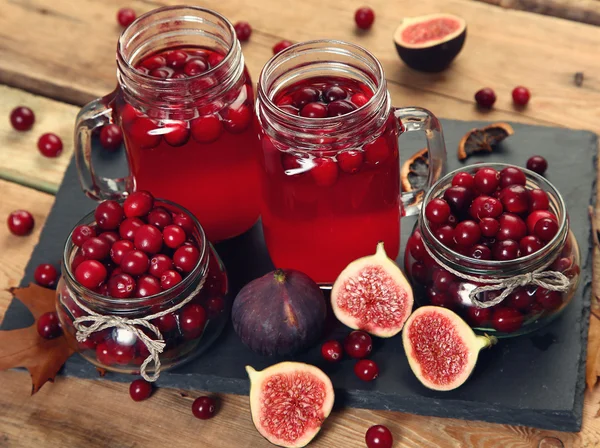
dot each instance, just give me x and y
(415, 171)
(430, 43)
(289, 402)
(483, 139)
(441, 348)
(372, 294)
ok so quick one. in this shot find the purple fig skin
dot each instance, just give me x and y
(279, 314)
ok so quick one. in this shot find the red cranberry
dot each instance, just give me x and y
(437, 211)
(485, 98)
(82, 233)
(166, 323)
(104, 353)
(438, 298)
(512, 176)
(140, 390)
(463, 179)
(511, 227)
(90, 273)
(538, 200)
(22, 118)
(535, 216)
(173, 236)
(507, 320)
(339, 108)
(48, 326)
(506, 250)
(177, 133)
(332, 351)
(192, 321)
(364, 17)
(204, 408)
(359, 99)
(184, 221)
(155, 62)
(459, 198)
(111, 137)
(206, 129)
(121, 286)
(138, 204)
(314, 110)
(467, 233)
(537, 164)
(50, 145)
(445, 235)
(304, 96)
(489, 227)
(121, 354)
(243, 30)
(515, 199)
(546, 229)
(488, 207)
(168, 279)
(215, 59)
(549, 300)
(110, 236)
(281, 45)
(95, 249)
(480, 252)
(159, 264)
(377, 151)
(20, 222)
(366, 370)
(520, 95)
(108, 215)
(487, 180)
(149, 239)
(379, 436)
(420, 273)
(176, 59)
(350, 161)
(185, 258)
(125, 17)
(519, 299)
(416, 246)
(358, 344)
(530, 244)
(442, 280)
(195, 67)
(214, 306)
(130, 227)
(324, 171)
(77, 261)
(159, 217)
(147, 286)
(45, 275)
(142, 132)
(478, 317)
(238, 119)
(135, 262)
(334, 93)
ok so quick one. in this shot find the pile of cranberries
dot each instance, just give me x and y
(357, 345)
(179, 63)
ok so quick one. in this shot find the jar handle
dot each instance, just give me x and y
(418, 119)
(92, 116)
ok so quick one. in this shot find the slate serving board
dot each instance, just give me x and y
(534, 380)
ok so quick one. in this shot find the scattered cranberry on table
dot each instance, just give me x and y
(243, 30)
(485, 98)
(332, 351)
(366, 370)
(48, 326)
(111, 137)
(140, 390)
(22, 118)
(45, 275)
(204, 408)
(281, 45)
(521, 95)
(20, 222)
(364, 17)
(379, 436)
(537, 164)
(125, 17)
(358, 344)
(50, 145)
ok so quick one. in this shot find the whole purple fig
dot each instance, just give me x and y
(281, 313)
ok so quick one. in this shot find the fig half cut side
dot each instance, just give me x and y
(430, 43)
(441, 348)
(289, 402)
(372, 294)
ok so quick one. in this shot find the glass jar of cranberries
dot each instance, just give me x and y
(184, 105)
(135, 260)
(491, 223)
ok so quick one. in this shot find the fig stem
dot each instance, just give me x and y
(487, 340)
(279, 275)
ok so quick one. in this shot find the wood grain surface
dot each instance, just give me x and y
(586, 11)
(64, 50)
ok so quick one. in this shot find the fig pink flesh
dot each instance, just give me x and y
(438, 348)
(291, 405)
(433, 29)
(374, 298)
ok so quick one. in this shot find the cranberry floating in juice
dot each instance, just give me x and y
(185, 105)
(329, 137)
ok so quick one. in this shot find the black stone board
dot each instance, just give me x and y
(534, 380)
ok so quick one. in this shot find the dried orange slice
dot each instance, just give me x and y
(483, 139)
(415, 170)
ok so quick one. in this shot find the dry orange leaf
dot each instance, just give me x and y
(43, 358)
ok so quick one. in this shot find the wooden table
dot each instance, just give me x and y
(65, 51)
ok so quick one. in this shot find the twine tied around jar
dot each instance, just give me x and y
(155, 346)
(550, 280)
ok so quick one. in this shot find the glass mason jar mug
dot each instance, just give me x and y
(185, 105)
(329, 137)
(196, 312)
(446, 274)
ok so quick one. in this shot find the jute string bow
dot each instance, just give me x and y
(550, 280)
(94, 322)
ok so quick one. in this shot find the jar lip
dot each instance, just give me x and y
(171, 81)
(486, 265)
(333, 43)
(133, 301)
